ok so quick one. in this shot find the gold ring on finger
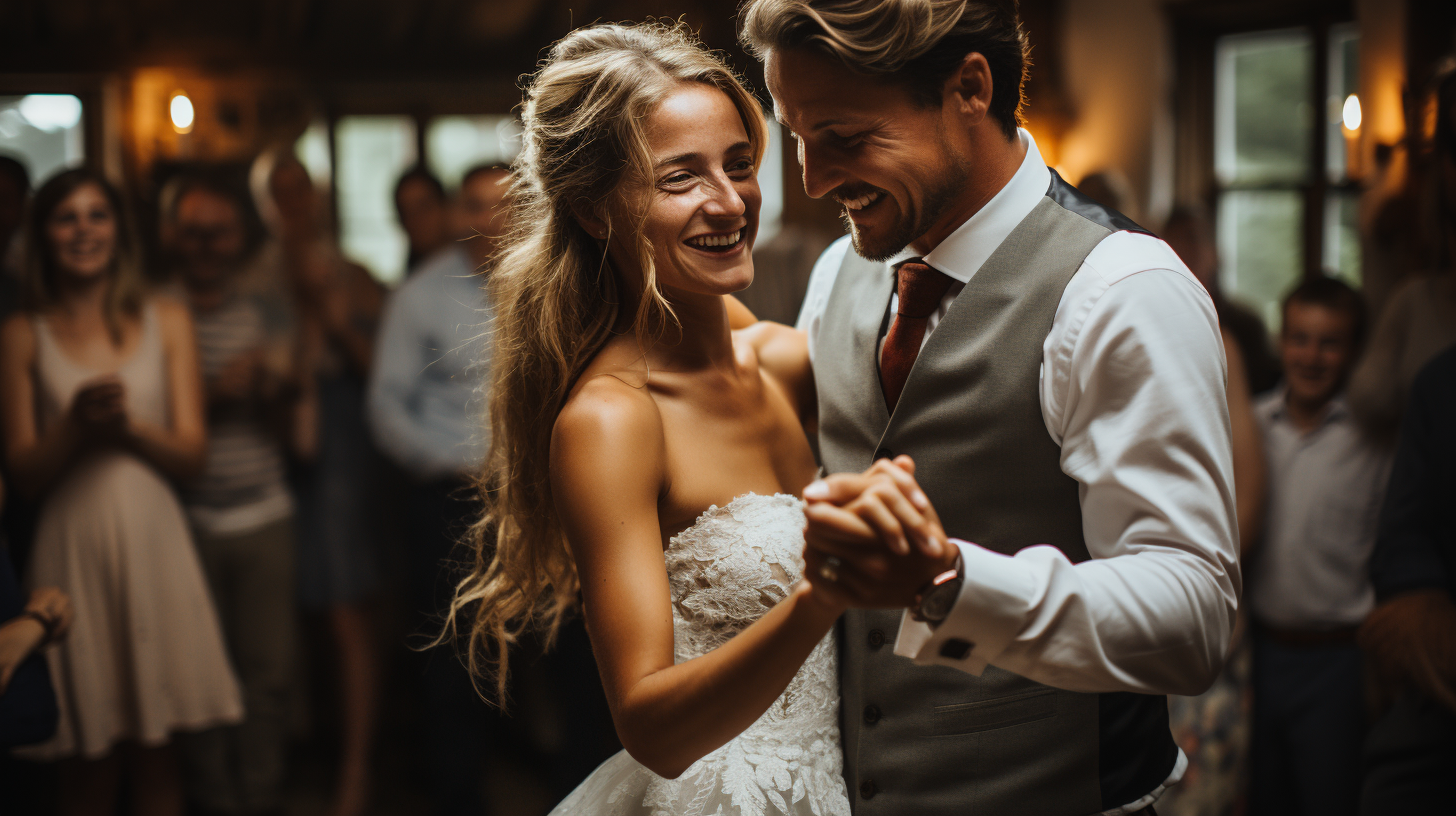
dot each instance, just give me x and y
(829, 570)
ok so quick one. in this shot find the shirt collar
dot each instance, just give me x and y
(963, 252)
(1337, 410)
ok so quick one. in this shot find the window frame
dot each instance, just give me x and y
(1198, 27)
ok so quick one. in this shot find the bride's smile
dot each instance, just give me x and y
(702, 211)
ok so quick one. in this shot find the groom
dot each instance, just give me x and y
(1054, 375)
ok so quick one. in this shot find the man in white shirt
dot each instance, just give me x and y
(1309, 587)
(1054, 375)
(426, 413)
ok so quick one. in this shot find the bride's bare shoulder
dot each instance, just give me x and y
(608, 408)
(607, 445)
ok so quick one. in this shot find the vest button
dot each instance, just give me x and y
(877, 638)
(884, 453)
(868, 789)
(872, 714)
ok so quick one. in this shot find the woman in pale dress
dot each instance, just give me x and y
(101, 403)
(646, 460)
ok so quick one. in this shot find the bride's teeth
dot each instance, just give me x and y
(716, 240)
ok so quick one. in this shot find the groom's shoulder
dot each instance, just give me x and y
(1124, 254)
(821, 282)
(827, 267)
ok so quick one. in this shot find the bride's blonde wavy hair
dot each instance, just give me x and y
(556, 299)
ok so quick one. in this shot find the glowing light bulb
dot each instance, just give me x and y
(1352, 112)
(182, 113)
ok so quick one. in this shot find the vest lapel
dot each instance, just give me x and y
(870, 294)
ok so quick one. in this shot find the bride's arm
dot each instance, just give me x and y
(607, 472)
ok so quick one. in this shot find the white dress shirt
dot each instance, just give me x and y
(427, 385)
(1133, 390)
(1325, 491)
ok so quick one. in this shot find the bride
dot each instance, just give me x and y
(647, 460)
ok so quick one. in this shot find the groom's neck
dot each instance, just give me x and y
(989, 160)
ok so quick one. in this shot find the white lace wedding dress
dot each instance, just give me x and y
(725, 572)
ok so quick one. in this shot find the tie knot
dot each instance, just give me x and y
(920, 287)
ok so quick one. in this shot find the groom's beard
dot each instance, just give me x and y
(946, 183)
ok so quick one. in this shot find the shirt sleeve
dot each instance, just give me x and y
(816, 295)
(1134, 391)
(394, 384)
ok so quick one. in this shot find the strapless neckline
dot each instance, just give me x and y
(715, 512)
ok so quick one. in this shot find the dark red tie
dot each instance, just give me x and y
(920, 287)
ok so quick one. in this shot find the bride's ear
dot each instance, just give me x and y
(587, 217)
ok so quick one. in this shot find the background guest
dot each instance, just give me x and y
(425, 405)
(430, 361)
(1308, 585)
(27, 625)
(1410, 638)
(1190, 233)
(14, 190)
(1420, 318)
(240, 506)
(423, 209)
(337, 306)
(101, 401)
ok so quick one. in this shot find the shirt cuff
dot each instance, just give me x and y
(988, 612)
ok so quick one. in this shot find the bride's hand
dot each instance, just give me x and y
(856, 537)
(822, 595)
(887, 498)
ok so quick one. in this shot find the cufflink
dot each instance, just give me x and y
(956, 649)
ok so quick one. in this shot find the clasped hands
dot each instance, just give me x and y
(872, 540)
(98, 410)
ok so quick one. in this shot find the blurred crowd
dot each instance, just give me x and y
(235, 468)
(1339, 693)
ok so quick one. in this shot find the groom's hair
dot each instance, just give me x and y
(915, 43)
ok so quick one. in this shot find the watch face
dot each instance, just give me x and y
(938, 600)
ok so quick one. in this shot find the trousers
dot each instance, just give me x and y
(240, 768)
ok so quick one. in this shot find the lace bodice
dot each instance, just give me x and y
(724, 573)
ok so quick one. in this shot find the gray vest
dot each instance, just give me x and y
(935, 740)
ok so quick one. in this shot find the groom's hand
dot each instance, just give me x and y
(873, 537)
(887, 498)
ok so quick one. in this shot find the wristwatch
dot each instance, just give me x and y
(935, 600)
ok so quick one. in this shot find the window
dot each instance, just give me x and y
(43, 131)
(372, 153)
(771, 184)
(454, 144)
(1280, 161)
(1341, 250)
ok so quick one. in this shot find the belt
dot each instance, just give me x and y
(1308, 637)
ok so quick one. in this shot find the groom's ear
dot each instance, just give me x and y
(967, 91)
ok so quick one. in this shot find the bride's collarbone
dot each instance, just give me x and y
(713, 463)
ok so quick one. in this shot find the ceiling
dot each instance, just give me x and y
(322, 37)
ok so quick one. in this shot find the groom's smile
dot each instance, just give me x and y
(893, 165)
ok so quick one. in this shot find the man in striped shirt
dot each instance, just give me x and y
(240, 507)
